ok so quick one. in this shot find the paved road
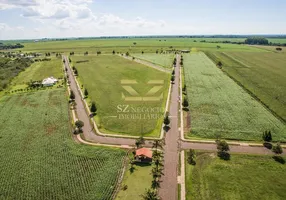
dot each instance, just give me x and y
(168, 190)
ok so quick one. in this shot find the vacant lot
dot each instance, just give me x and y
(165, 60)
(243, 177)
(137, 182)
(219, 107)
(40, 70)
(39, 159)
(102, 76)
(263, 74)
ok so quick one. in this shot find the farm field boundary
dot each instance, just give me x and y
(214, 58)
(263, 118)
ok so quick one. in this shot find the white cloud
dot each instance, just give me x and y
(74, 18)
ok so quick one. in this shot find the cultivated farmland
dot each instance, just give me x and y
(263, 74)
(242, 177)
(219, 107)
(148, 45)
(39, 159)
(102, 76)
(165, 60)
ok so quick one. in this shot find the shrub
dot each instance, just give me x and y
(192, 157)
(277, 149)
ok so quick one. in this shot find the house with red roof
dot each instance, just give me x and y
(143, 155)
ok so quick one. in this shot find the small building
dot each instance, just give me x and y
(185, 51)
(143, 155)
(49, 81)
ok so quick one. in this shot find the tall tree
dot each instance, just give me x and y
(85, 92)
(72, 95)
(185, 102)
(167, 120)
(150, 195)
(93, 108)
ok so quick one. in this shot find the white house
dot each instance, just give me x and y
(49, 81)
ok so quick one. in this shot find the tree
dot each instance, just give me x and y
(157, 51)
(173, 72)
(185, 102)
(175, 61)
(256, 40)
(157, 171)
(278, 49)
(139, 142)
(85, 92)
(127, 54)
(142, 52)
(157, 144)
(134, 43)
(93, 108)
(222, 145)
(79, 124)
(267, 136)
(277, 149)
(172, 78)
(150, 195)
(219, 63)
(72, 96)
(133, 58)
(113, 52)
(223, 149)
(75, 72)
(98, 52)
(167, 120)
(192, 157)
(184, 88)
(155, 184)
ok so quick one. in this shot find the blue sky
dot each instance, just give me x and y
(27, 19)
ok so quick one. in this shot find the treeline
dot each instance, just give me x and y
(10, 46)
(256, 40)
(10, 68)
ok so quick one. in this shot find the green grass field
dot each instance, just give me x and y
(261, 73)
(39, 159)
(242, 177)
(39, 71)
(219, 107)
(165, 60)
(102, 76)
(137, 182)
(148, 45)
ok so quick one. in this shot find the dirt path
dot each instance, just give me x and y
(169, 185)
